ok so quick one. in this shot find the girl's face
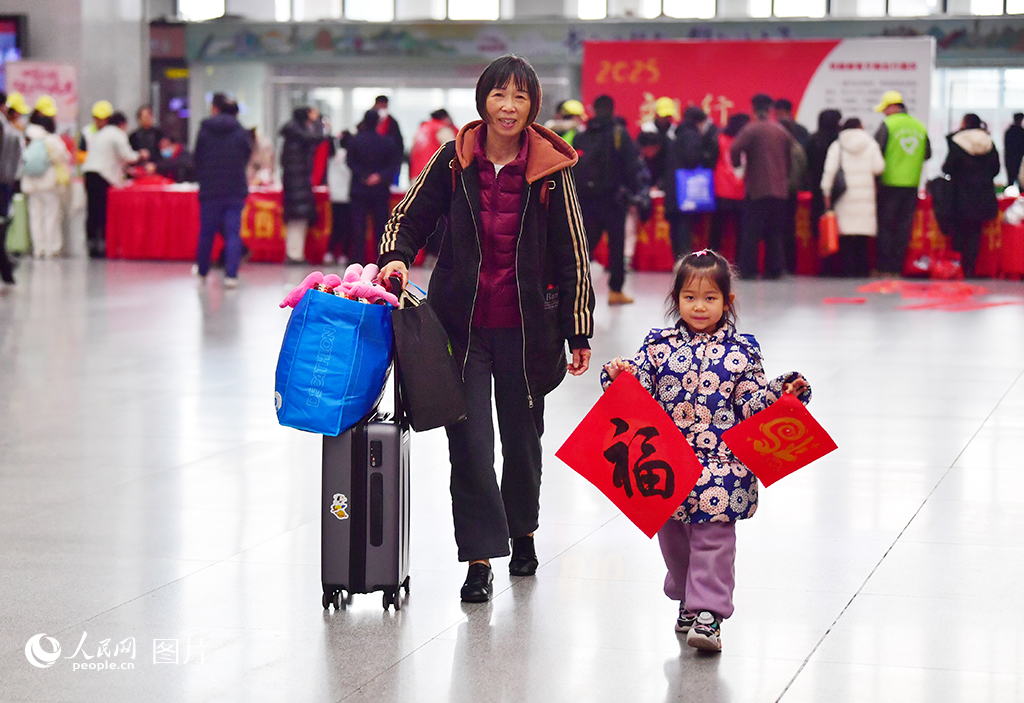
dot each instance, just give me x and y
(701, 304)
(508, 108)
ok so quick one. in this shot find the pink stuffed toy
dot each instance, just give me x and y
(359, 282)
(293, 298)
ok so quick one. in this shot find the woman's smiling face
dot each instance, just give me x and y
(508, 109)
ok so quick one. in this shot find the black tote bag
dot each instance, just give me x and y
(431, 385)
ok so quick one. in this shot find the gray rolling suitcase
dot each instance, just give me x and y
(365, 519)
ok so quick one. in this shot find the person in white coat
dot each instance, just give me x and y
(861, 159)
(43, 177)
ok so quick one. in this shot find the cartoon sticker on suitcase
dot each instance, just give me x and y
(339, 508)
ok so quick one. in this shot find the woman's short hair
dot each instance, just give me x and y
(853, 123)
(499, 73)
(117, 119)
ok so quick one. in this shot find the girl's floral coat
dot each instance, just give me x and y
(707, 383)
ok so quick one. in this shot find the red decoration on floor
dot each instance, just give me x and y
(630, 449)
(844, 301)
(779, 440)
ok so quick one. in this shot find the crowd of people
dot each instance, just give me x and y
(759, 163)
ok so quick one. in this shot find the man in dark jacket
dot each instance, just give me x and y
(695, 146)
(768, 150)
(610, 176)
(146, 135)
(783, 112)
(222, 152)
(1013, 143)
(302, 135)
(375, 161)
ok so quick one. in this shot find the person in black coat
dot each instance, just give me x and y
(147, 136)
(1013, 144)
(301, 135)
(221, 154)
(817, 148)
(695, 145)
(375, 161)
(972, 163)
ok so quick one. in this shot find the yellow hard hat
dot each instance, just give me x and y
(16, 102)
(665, 107)
(46, 105)
(573, 107)
(890, 97)
(102, 110)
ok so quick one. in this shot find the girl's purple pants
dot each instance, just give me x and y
(700, 559)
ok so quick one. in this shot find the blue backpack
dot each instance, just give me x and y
(37, 159)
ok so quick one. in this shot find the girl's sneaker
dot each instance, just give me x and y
(706, 632)
(685, 620)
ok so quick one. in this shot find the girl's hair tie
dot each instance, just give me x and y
(702, 252)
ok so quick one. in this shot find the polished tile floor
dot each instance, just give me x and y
(163, 530)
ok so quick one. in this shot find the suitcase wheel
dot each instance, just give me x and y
(335, 597)
(405, 585)
(391, 598)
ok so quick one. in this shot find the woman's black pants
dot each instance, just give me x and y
(486, 514)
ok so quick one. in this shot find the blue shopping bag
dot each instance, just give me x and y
(695, 189)
(333, 364)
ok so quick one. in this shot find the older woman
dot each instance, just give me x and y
(511, 287)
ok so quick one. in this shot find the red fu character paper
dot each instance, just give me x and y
(779, 440)
(629, 448)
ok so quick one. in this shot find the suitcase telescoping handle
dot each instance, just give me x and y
(395, 285)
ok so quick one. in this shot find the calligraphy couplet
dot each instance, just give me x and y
(632, 451)
(779, 440)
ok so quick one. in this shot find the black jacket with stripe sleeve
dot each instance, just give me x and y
(552, 261)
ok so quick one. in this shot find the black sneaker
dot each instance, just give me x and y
(524, 557)
(479, 584)
(706, 632)
(684, 623)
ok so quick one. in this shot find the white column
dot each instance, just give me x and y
(733, 8)
(624, 8)
(545, 8)
(257, 10)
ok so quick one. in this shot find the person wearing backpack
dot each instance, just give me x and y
(44, 173)
(695, 146)
(11, 145)
(610, 176)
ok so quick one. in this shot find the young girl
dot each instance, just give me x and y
(708, 377)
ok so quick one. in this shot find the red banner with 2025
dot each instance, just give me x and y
(719, 76)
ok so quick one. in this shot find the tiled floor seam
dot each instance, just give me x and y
(846, 607)
(466, 616)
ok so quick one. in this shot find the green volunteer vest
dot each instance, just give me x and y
(905, 150)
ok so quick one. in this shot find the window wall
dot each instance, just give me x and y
(994, 94)
(388, 10)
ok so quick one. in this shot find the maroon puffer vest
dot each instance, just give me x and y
(501, 195)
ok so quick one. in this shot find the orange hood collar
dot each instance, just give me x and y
(548, 152)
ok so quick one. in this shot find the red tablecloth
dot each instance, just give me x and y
(162, 222)
(1001, 254)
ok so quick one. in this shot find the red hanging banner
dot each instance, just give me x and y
(629, 448)
(779, 440)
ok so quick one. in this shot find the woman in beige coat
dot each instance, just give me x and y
(861, 160)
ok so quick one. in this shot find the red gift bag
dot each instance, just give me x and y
(828, 234)
(779, 440)
(629, 448)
